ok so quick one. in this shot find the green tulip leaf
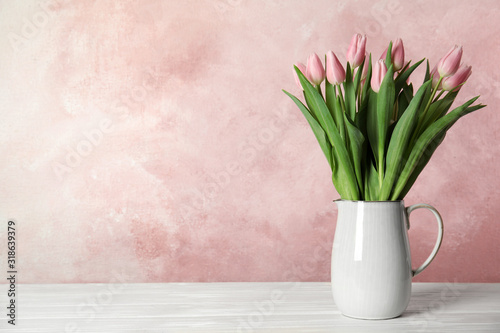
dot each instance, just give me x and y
(403, 76)
(379, 118)
(439, 108)
(335, 109)
(425, 146)
(343, 171)
(404, 99)
(318, 106)
(399, 141)
(356, 141)
(371, 182)
(357, 77)
(319, 133)
(350, 94)
(388, 56)
(427, 75)
(366, 86)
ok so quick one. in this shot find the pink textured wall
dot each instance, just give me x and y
(150, 140)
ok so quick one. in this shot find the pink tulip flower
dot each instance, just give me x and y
(379, 71)
(302, 69)
(314, 70)
(356, 50)
(365, 68)
(454, 82)
(397, 55)
(449, 64)
(335, 72)
(435, 78)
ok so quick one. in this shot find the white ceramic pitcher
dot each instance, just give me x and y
(371, 262)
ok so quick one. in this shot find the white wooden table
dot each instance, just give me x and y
(240, 307)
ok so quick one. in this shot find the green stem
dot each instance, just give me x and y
(430, 100)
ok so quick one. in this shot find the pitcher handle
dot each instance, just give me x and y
(439, 237)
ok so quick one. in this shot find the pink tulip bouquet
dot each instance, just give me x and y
(376, 133)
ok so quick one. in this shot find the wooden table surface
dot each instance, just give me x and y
(240, 307)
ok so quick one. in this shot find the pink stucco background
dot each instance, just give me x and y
(151, 141)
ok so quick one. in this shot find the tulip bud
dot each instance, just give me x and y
(435, 78)
(367, 63)
(449, 64)
(398, 55)
(454, 82)
(378, 74)
(302, 69)
(356, 50)
(314, 70)
(365, 68)
(335, 72)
